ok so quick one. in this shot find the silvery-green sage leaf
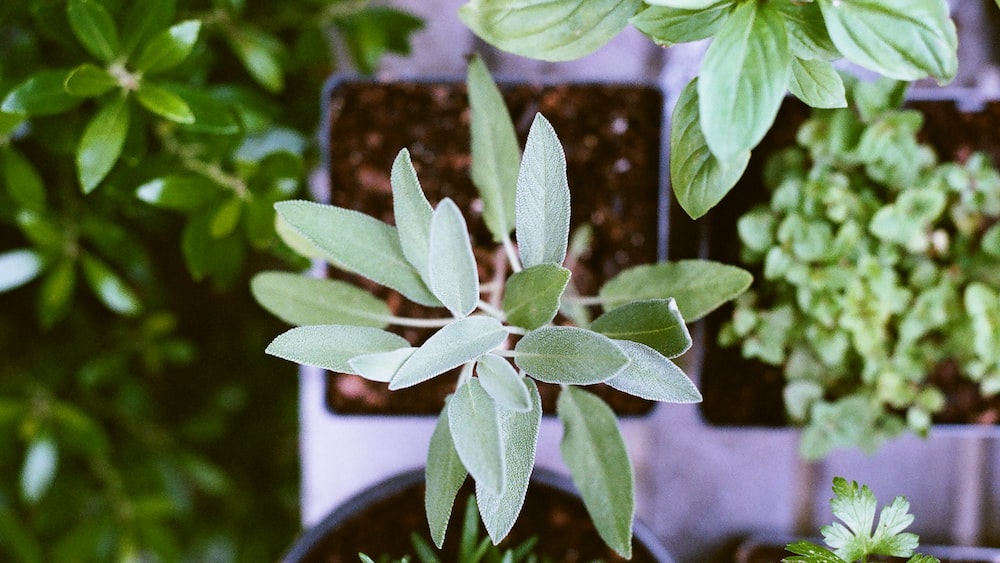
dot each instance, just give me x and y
(593, 449)
(817, 83)
(496, 154)
(302, 300)
(699, 178)
(507, 387)
(332, 346)
(698, 286)
(542, 202)
(671, 25)
(743, 79)
(475, 430)
(531, 298)
(454, 279)
(519, 430)
(653, 376)
(572, 355)
(444, 475)
(657, 323)
(412, 213)
(555, 30)
(901, 39)
(459, 342)
(357, 243)
(380, 366)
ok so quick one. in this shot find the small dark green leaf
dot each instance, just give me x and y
(457, 343)
(444, 475)
(475, 429)
(182, 192)
(453, 276)
(56, 294)
(807, 35)
(555, 30)
(164, 103)
(88, 80)
(109, 287)
(23, 182)
(542, 201)
(496, 154)
(302, 300)
(259, 54)
(670, 26)
(357, 243)
(531, 298)
(817, 83)
(657, 323)
(699, 178)
(41, 94)
(412, 213)
(743, 79)
(374, 30)
(143, 20)
(563, 354)
(210, 115)
(102, 143)
(18, 267)
(169, 48)
(901, 39)
(698, 286)
(226, 217)
(332, 346)
(519, 432)
(40, 465)
(94, 28)
(593, 449)
(652, 376)
(507, 387)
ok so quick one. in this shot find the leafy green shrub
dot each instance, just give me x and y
(859, 537)
(142, 144)
(880, 266)
(501, 334)
(759, 51)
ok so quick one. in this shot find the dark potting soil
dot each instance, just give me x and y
(611, 135)
(748, 392)
(558, 520)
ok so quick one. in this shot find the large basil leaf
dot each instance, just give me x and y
(817, 83)
(901, 39)
(699, 178)
(743, 79)
(554, 30)
(669, 26)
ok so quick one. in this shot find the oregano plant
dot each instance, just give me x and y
(505, 337)
(759, 52)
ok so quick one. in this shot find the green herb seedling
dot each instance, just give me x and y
(855, 539)
(473, 547)
(501, 335)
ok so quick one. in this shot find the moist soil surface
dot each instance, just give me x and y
(747, 392)
(611, 135)
(558, 520)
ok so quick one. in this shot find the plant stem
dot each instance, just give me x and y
(417, 323)
(508, 247)
(491, 310)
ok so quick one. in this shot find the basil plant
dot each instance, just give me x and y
(504, 336)
(759, 51)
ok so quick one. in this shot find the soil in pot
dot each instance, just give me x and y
(611, 135)
(559, 521)
(749, 393)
